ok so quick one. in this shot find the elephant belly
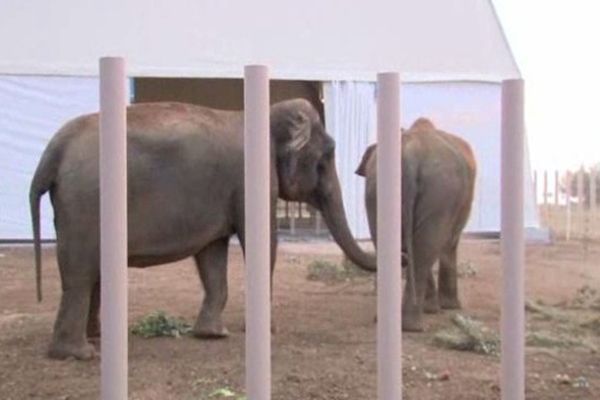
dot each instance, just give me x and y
(159, 241)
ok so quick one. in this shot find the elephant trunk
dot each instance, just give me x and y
(331, 205)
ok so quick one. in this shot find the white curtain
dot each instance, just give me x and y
(471, 110)
(32, 109)
(468, 109)
(350, 120)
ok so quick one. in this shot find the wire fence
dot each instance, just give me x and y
(568, 203)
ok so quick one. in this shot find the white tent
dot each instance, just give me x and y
(451, 73)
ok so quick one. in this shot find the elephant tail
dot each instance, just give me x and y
(34, 203)
(42, 182)
(408, 212)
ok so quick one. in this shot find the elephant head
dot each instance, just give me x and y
(305, 158)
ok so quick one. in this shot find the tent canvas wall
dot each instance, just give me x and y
(464, 58)
(468, 109)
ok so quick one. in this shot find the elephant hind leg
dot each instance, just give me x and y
(425, 254)
(448, 280)
(69, 338)
(79, 270)
(93, 323)
(432, 304)
(212, 267)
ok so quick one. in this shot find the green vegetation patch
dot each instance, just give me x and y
(158, 323)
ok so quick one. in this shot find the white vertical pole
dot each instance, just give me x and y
(580, 224)
(513, 249)
(592, 196)
(318, 222)
(389, 254)
(556, 209)
(569, 208)
(293, 218)
(546, 211)
(593, 175)
(556, 187)
(113, 229)
(580, 191)
(257, 248)
(535, 188)
(545, 188)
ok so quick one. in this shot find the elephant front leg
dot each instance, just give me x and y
(448, 280)
(69, 338)
(212, 266)
(272, 260)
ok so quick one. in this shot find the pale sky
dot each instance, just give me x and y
(557, 46)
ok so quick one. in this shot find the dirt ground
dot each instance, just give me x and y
(325, 344)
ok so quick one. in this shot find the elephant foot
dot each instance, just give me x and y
(412, 322)
(450, 303)
(431, 306)
(60, 351)
(210, 330)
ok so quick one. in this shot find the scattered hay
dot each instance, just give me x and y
(549, 340)
(468, 335)
(331, 272)
(586, 297)
(570, 321)
(593, 324)
(466, 269)
(159, 324)
(546, 312)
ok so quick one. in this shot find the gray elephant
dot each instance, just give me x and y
(185, 198)
(438, 179)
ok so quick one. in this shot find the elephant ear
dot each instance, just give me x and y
(290, 142)
(299, 132)
(362, 167)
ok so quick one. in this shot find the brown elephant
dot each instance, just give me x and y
(438, 179)
(185, 198)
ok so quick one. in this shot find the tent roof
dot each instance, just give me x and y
(426, 40)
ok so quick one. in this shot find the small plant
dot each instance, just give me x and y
(325, 271)
(226, 393)
(332, 272)
(158, 324)
(352, 270)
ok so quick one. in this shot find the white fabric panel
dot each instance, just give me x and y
(472, 111)
(350, 120)
(311, 39)
(469, 110)
(32, 109)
